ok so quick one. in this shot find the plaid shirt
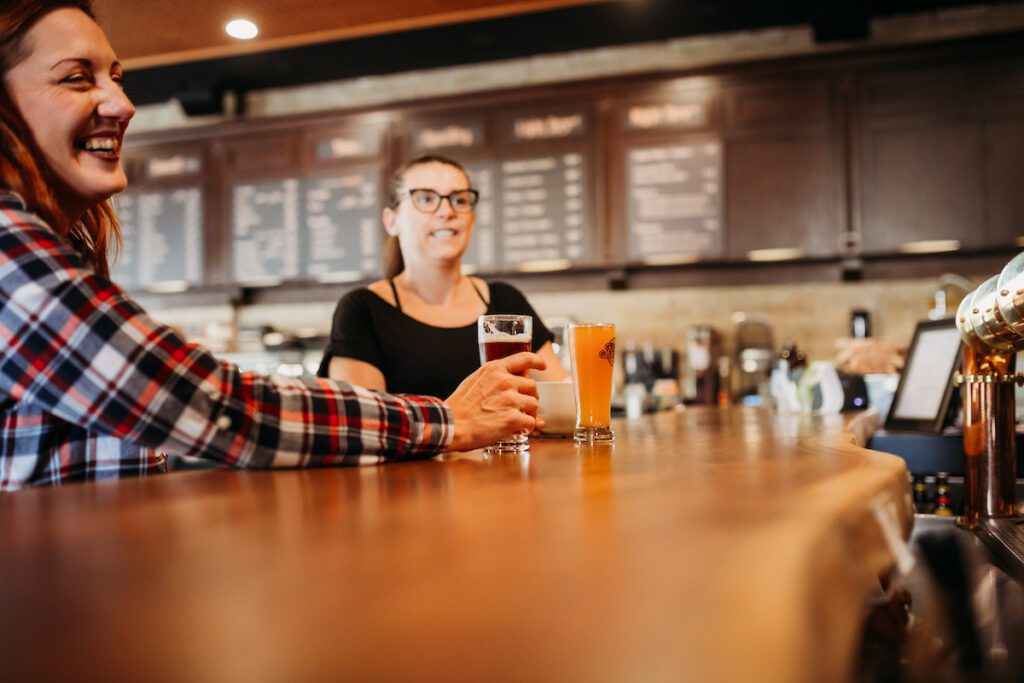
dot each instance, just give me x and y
(91, 387)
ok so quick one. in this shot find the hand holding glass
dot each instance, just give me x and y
(500, 336)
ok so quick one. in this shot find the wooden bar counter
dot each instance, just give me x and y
(704, 545)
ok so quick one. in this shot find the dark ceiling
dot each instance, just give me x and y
(587, 26)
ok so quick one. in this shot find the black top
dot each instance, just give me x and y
(414, 357)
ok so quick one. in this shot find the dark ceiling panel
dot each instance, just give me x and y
(191, 29)
(525, 34)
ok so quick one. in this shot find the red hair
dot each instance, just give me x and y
(23, 168)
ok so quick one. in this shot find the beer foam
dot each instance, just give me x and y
(518, 338)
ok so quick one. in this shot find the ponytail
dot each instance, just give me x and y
(394, 263)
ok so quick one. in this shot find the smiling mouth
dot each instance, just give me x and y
(444, 233)
(107, 148)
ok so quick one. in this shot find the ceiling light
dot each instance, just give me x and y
(242, 29)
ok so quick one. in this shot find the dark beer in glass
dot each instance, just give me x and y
(497, 349)
(501, 336)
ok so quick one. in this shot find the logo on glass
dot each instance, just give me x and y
(608, 352)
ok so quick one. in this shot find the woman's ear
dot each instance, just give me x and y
(389, 218)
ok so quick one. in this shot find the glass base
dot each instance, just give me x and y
(593, 434)
(517, 443)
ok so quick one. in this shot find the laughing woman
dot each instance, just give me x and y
(415, 331)
(90, 386)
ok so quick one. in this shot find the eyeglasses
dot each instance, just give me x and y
(428, 201)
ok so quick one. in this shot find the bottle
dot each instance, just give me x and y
(724, 382)
(636, 399)
(942, 501)
(782, 389)
(920, 494)
(860, 323)
(929, 496)
(796, 358)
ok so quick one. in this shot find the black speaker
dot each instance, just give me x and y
(201, 101)
(837, 21)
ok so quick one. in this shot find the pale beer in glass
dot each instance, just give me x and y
(500, 336)
(592, 349)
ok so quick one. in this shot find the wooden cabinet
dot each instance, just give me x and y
(784, 171)
(781, 194)
(941, 156)
(1003, 139)
(922, 181)
(827, 158)
(1004, 179)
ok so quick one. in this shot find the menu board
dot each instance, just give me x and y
(342, 225)
(531, 209)
(482, 253)
(675, 200)
(543, 216)
(265, 231)
(162, 240)
(533, 206)
(324, 227)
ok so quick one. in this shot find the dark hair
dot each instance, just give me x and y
(23, 167)
(392, 253)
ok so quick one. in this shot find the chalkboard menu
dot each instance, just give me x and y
(482, 254)
(265, 231)
(543, 209)
(675, 200)
(342, 225)
(324, 227)
(532, 180)
(162, 238)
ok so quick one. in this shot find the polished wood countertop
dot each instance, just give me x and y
(704, 545)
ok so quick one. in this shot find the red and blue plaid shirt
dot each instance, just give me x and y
(91, 387)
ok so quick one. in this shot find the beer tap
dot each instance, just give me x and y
(991, 323)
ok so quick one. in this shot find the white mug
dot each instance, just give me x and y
(558, 407)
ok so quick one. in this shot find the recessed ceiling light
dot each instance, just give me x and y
(243, 29)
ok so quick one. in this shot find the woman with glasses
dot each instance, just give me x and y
(415, 330)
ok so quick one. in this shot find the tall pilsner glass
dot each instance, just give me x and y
(592, 349)
(500, 336)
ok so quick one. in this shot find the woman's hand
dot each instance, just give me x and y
(495, 401)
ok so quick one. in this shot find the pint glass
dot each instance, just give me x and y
(592, 349)
(500, 336)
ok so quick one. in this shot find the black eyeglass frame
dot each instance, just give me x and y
(441, 197)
